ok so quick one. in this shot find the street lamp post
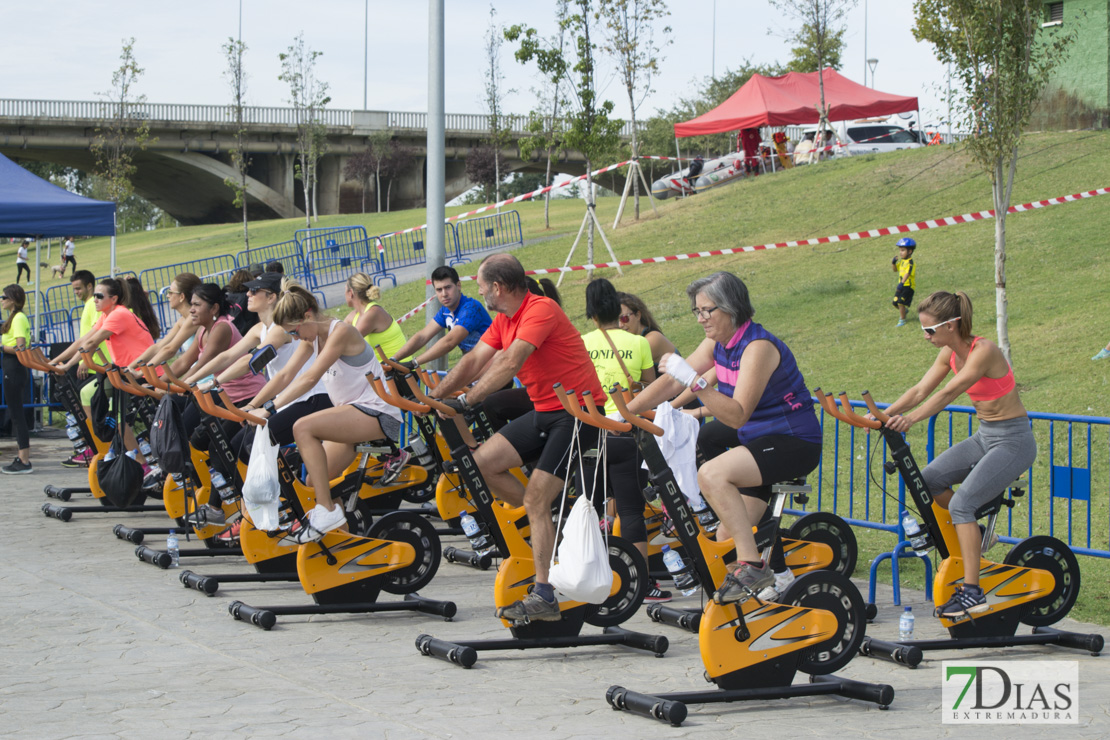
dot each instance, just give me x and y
(872, 63)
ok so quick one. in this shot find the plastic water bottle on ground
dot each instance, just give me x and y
(905, 625)
(172, 549)
(683, 579)
(914, 535)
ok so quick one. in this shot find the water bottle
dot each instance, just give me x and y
(71, 420)
(172, 549)
(914, 535)
(474, 532)
(144, 447)
(221, 486)
(133, 454)
(905, 625)
(419, 449)
(110, 454)
(683, 578)
(73, 433)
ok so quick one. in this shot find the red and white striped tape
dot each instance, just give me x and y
(415, 311)
(854, 236)
(517, 199)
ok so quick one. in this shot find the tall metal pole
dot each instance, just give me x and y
(713, 62)
(365, 53)
(864, 42)
(437, 162)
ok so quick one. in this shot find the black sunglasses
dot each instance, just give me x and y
(99, 296)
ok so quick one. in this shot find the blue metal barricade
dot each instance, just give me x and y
(62, 297)
(56, 326)
(486, 233)
(331, 255)
(287, 253)
(209, 269)
(408, 248)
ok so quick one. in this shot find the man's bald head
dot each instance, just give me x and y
(505, 270)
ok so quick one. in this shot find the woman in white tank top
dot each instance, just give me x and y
(326, 440)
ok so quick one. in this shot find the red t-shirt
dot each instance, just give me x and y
(130, 337)
(560, 355)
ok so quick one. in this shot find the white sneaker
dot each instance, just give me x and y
(774, 591)
(325, 520)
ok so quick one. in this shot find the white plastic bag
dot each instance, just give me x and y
(581, 569)
(261, 486)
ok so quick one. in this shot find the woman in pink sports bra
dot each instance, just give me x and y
(984, 464)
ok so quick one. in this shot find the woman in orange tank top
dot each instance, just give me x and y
(984, 464)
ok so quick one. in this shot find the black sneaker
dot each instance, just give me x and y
(967, 600)
(656, 595)
(18, 467)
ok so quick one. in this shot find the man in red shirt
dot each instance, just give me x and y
(533, 339)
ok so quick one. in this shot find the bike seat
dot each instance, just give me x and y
(994, 505)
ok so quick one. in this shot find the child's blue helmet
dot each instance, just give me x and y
(906, 242)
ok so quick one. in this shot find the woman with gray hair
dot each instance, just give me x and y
(746, 379)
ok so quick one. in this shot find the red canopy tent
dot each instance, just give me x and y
(793, 99)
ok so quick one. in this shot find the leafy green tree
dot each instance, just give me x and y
(308, 96)
(803, 57)
(630, 40)
(1002, 62)
(123, 129)
(499, 133)
(590, 130)
(820, 38)
(237, 80)
(545, 130)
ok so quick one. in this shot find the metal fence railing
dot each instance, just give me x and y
(489, 232)
(331, 255)
(287, 253)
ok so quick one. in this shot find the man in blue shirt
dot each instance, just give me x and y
(464, 318)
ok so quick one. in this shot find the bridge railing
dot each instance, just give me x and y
(100, 109)
(489, 232)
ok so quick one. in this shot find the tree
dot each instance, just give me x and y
(308, 96)
(545, 130)
(589, 129)
(361, 167)
(804, 55)
(237, 80)
(820, 36)
(1002, 63)
(499, 134)
(630, 40)
(482, 170)
(395, 161)
(123, 130)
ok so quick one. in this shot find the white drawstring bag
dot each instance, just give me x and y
(580, 567)
(261, 485)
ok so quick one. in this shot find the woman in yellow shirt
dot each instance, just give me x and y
(372, 321)
(16, 335)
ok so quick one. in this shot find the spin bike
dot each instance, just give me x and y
(345, 573)
(752, 650)
(1036, 584)
(506, 526)
(70, 396)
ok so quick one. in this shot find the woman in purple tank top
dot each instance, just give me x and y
(765, 429)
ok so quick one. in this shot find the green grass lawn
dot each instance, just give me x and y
(831, 303)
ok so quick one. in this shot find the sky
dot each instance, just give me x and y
(68, 49)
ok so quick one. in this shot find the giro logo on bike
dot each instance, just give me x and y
(1024, 691)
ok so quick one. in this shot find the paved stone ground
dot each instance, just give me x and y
(96, 644)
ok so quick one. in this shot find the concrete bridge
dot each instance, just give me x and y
(183, 172)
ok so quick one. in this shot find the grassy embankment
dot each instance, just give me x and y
(831, 303)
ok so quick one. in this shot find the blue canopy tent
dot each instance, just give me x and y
(33, 207)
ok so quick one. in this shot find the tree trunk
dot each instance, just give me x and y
(364, 196)
(378, 187)
(307, 194)
(547, 196)
(635, 180)
(590, 225)
(1001, 190)
(243, 195)
(388, 193)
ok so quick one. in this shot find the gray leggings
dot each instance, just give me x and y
(985, 463)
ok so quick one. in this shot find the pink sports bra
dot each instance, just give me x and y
(986, 389)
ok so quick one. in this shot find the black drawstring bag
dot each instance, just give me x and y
(169, 441)
(121, 478)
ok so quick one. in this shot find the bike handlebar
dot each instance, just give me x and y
(634, 419)
(388, 392)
